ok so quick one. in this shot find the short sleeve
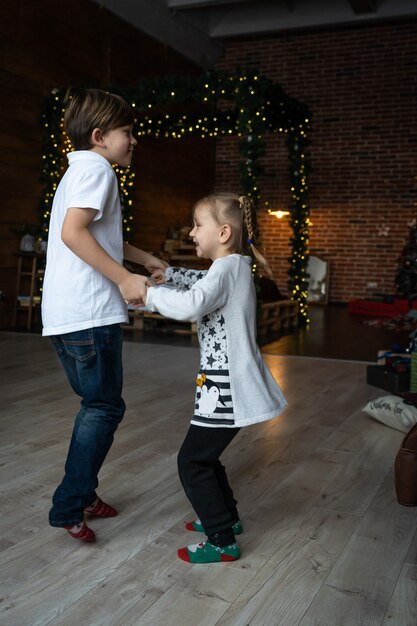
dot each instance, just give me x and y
(92, 189)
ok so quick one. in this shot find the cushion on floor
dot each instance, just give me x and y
(393, 411)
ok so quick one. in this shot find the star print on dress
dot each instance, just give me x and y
(182, 278)
(212, 339)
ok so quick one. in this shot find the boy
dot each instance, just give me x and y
(85, 291)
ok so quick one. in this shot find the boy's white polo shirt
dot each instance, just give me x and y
(75, 296)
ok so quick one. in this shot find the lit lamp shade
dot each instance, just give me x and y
(279, 214)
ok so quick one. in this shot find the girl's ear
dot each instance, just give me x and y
(97, 137)
(225, 233)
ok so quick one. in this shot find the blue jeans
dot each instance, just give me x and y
(92, 360)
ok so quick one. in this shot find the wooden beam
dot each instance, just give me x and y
(169, 27)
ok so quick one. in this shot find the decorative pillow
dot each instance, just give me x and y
(393, 411)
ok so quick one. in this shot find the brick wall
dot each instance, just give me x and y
(361, 86)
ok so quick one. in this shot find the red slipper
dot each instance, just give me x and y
(84, 534)
(101, 509)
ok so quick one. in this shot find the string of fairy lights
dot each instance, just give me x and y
(216, 104)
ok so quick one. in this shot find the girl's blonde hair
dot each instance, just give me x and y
(240, 214)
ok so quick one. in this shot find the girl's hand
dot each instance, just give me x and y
(158, 276)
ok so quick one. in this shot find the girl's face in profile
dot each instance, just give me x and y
(206, 234)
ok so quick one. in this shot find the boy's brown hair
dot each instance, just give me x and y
(87, 109)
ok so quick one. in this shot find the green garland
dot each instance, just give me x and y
(242, 103)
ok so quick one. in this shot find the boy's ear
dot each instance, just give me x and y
(225, 233)
(97, 137)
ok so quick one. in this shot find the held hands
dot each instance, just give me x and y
(134, 288)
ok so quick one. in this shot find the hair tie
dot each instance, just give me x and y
(250, 242)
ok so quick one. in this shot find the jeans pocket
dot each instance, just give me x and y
(79, 345)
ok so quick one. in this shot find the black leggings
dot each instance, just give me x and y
(205, 481)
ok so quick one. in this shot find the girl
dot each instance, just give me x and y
(234, 386)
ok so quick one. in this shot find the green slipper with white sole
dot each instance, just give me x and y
(205, 552)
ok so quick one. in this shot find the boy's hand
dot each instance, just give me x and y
(133, 289)
(158, 277)
(153, 263)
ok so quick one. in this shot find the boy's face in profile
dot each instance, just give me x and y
(117, 145)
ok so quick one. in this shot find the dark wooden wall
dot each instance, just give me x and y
(45, 44)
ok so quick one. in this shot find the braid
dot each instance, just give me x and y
(249, 217)
(246, 206)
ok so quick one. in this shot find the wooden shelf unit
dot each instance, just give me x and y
(282, 314)
(180, 252)
(146, 320)
(27, 292)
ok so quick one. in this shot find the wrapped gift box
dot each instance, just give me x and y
(394, 382)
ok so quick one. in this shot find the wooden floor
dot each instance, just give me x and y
(325, 543)
(334, 333)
